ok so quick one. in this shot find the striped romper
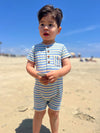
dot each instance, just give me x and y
(46, 59)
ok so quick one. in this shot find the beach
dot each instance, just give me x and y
(80, 108)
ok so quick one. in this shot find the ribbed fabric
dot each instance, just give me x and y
(46, 59)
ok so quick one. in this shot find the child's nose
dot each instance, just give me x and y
(45, 27)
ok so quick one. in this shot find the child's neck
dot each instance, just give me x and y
(48, 42)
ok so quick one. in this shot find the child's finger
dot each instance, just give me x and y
(50, 77)
(52, 81)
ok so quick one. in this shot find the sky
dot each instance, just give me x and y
(80, 25)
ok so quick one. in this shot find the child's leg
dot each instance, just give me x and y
(37, 121)
(54, 120)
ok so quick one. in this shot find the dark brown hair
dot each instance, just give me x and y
(56, 13)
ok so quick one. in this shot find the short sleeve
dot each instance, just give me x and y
(31, 54)
(65, 53)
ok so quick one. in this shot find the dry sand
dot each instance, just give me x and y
(80, 109)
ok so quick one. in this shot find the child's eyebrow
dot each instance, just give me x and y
(51, 21)
(43, 21)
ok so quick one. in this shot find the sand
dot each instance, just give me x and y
(80, 109)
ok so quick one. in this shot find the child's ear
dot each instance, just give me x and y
(59, 29)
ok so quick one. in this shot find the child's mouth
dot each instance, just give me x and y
(45, 34)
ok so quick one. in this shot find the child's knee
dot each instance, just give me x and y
(52, 113)
(39, 114)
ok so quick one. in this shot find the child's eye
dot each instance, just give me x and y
(41, 24)
(50, 25)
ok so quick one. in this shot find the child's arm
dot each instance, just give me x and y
(54, 75)
(30, 67)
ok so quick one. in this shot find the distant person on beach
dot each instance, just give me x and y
(91, 59)
(48, 62)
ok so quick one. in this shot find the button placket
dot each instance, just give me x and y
(48, 55)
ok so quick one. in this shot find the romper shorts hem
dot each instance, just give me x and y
(54, 109)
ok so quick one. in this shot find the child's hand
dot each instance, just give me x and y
(52, 76)
(43, 80)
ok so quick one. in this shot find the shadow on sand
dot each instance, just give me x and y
(26, 127)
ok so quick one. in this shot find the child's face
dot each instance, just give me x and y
(48, 29)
